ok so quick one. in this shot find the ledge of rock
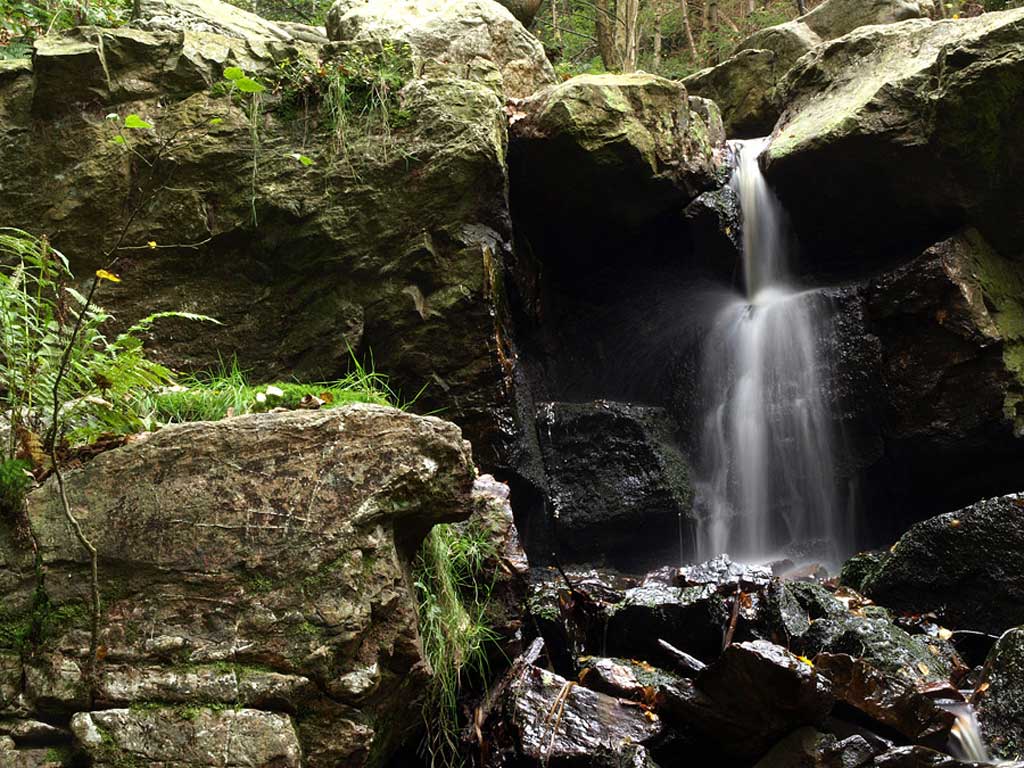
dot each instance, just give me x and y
(253, 574)
(637, 133)
(914, 124)
(478, 40)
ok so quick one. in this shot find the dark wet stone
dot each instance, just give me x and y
(767, 689)
(965, 566)
(883, 645)
(618, 483)
(857, 568)
(999, 697)
(922, 757)
(560, 723)
(804, 748)
(723, 574)
(624, 678)
(885, 698)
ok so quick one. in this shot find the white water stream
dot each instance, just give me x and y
(767, 479)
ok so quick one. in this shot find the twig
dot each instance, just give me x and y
(732, 620)
(688, 664)
(90, 669)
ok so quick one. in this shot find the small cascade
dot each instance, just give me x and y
(767, 478)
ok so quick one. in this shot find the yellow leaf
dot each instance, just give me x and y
(151, 243)
(102, 274)
(923, 667)
(805, 660)
(945, 634)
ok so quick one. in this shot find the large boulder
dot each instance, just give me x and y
(389, 245)
(966, 566)
(479, 40)
(618, 483)
(638, 134)
(915, 126)
(206, 16)
(745, 85)
(255, 597)
(999, 697)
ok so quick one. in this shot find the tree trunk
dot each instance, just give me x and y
(606, 26)
(801, 6)
(554, 21)
(657, 36)
(689, 32)
(751, 6)
(629, 37)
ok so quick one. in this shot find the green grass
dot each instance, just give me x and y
(228, 391)
(454, 593)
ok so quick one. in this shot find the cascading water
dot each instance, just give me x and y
(767, 478)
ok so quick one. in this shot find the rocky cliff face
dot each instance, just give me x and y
(255, 595)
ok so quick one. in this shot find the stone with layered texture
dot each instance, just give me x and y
(478, 40)
(635, 133)
(387, 245)
(915, 126)
(255, 589)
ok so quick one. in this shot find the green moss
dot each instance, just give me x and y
(25, 631)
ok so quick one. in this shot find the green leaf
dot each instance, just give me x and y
(216, 120)
(306, 161)
(248, 85)
(234, 73)
(119, 139)
(134, 121)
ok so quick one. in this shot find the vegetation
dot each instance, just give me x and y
(453, 597)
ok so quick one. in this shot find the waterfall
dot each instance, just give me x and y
(766, 466)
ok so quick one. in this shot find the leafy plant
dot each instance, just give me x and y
(61, 374)
(251, 93)
(15, 481)
(454, 592)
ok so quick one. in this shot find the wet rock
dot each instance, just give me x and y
(303, 531)
(952, 342)
(636, 133)
(713, 221)
(965, 566)
(804, 748)
(624, 678)
(724, 575)
(920, 757)
(559, 722)
(478, 40)
(858, 568)
(999, 697)
(618, 483)
(885, 698)
(768, 689)
(922, 110)
(883, 645)
(200, 737)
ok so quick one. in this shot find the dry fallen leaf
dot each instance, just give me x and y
(923, 667)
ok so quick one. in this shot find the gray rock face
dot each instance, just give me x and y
(478, 40)
(388, 246)
(999, 697)
(617, 480)
(746, 85)
(966, 566)
(255, 597)
(207, 16)
(913, 124)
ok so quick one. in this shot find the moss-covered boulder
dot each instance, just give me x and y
(622, 147)
(893, 133)
(311, 230)
(253, 576)
(479, 40)
(745, 85)
(999, 697)
(966, 566)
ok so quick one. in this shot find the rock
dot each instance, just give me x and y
(836, 18)
(725, 576)
(618, 484)
(951, 326)
(200, 737)
(999, 698)
(745, 85)
(885, 698)
(478, 40)
(964, 566)
(857, 568)
(558, 722)
(523, 10)
(53, 757)
(377, 247)
(255, 562)
(767, 689)
(913, 123)
(803, 748)
(879, 642)
(635, 133)
(211, 16)
(922, 757)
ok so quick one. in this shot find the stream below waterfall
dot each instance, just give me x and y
(767, 484)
